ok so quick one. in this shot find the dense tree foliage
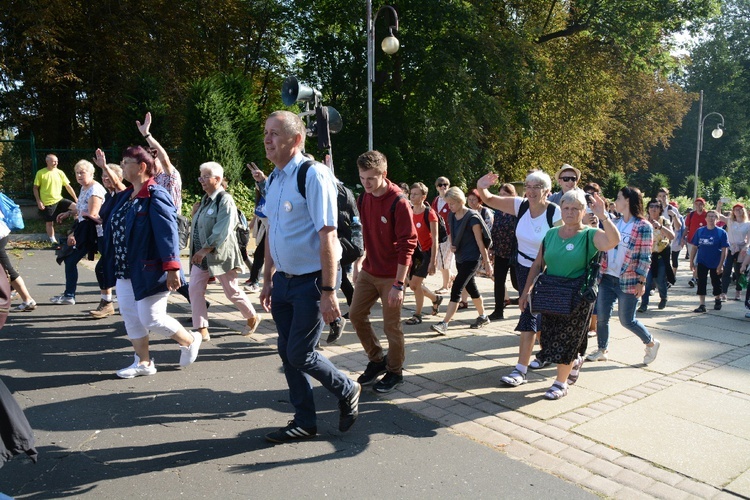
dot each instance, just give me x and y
(506, 85)
(720, 66)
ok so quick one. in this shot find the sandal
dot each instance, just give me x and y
(414, 320)
(557, 391)
(576, 371)
(436, 305)
(515, 378)
(463, 305)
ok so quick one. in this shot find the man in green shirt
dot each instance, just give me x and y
(48, 184)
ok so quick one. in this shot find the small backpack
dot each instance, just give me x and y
(349, 227)
(243, 228)
(442, 231)
(11, 213)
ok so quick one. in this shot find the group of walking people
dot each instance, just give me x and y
(570, 254)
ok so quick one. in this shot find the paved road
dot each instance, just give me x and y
(198, 432)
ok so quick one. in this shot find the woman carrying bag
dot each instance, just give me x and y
(565, 258)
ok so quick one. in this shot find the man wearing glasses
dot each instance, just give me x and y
(567, 177)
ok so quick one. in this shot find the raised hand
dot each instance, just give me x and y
(99, 158)
(144, 128)
(487, 181)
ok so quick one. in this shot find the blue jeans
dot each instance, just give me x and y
(609, 292)
(71, 270)
(295, 307)
(661, 282)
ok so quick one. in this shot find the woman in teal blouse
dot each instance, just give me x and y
(565, 252)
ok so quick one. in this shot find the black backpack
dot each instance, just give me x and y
(442, 231)
(243, 228)
(349, 227)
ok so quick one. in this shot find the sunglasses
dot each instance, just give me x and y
(568, 179)
(442, 185)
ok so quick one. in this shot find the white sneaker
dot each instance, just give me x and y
(598, 355)
(651, 353)
(63, 299)
(441, 328)
(137, 370)
(190, 353)
(747, 314)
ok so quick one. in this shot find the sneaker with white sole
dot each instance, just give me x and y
(137, 370)
(190, 353)
(598, 355)
(25, 306)
(292, 432)
(651, 353)
(63, 299)
(441, 328)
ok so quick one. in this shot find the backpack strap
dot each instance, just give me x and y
(551, 214)
(302, 177)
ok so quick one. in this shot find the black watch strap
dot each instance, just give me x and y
(328, 288)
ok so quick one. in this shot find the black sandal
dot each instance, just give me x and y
(436, 305)
(414, 320)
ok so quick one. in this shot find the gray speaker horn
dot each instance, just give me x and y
(292, 91)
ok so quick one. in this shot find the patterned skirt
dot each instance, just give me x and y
(564, 337)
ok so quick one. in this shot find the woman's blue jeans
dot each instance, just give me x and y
(609, 292)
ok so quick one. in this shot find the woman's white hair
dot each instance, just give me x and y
(577, 196)
(540, 177)
(213, 168)
(85, 166)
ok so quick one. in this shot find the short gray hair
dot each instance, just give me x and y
(214, 168)
(292, 124)
(540, 177)
(576, 196)
(85, 166)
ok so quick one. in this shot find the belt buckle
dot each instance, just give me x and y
(288, 276)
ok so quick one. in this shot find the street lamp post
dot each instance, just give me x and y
(389, 45)
(715, 133)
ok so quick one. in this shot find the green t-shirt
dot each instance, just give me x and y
(567, 258)
(50, 184)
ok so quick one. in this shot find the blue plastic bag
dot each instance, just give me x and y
(11, 213)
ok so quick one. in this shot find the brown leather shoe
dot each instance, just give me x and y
(252, 325)
(106, 308)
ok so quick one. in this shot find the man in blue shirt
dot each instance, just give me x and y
(301, 276)
(707, 255)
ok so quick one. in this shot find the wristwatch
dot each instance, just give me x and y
(328, 288)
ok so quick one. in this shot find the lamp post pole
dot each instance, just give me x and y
(715, 133)
(390, 45)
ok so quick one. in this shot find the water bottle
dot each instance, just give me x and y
(356, 228)
(742, 281)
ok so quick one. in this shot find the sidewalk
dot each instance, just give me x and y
(675, 429)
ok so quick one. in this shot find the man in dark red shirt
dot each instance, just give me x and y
(694, 221)
(390, 239)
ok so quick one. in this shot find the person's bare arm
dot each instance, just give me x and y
(161, 153)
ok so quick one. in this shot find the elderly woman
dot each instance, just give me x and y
(535, 217)
(467, 244)
(661, 253)
(738, 230)
(566, 252)
(112, 181)
(141, 252)
(624, 270)
(214, 251)
(82, 239)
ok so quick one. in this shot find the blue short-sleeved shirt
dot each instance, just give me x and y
(294, 222)
(709, 243)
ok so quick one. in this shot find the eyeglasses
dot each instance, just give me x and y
(445, 185)
(568, 179)
(536, 187)
(128, 160)
(204, 178)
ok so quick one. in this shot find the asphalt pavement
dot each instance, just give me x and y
(198, 432)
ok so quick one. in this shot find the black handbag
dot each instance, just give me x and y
(555, 294)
